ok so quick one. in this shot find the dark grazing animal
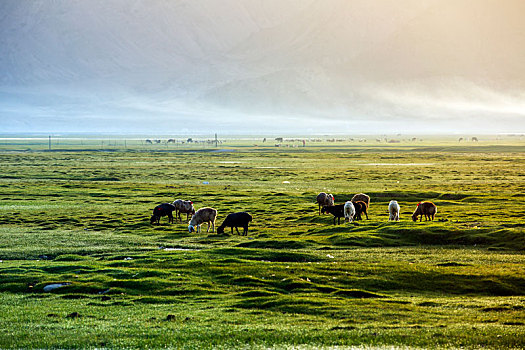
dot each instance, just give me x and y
(164, 209)
(360, 208)
(236, 220)
(361, 197)
(428, 209)
(324, 199)
(338, 211)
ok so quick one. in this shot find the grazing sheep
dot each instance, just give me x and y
(393, 210)
(336, 210)
(236, 220)
(427, 209)
(182, 206)
(361, 197)
(203, 215)
(162, 210)
(349, 211)
(324, 199)
(360, 208)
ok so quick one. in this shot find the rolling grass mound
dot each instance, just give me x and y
(80, 220)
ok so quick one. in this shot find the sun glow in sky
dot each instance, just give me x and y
(262, 66)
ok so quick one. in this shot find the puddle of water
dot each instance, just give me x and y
(53, 286)
(396, 164)
(179, 249)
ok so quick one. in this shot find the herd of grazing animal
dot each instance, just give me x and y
(353, 209)
(350, 211)
(199, 217)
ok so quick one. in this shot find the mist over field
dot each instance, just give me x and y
(123, 121)
(298, 66)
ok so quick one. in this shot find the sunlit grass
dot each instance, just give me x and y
(296, 280)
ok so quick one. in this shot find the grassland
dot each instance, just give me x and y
(79, 215)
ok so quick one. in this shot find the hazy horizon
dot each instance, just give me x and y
(354, 67)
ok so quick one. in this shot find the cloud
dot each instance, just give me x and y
(448, 99)
(262, 66)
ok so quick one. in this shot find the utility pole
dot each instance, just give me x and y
(216, 141)
(49, 144)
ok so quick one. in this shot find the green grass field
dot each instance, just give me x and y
(79, 214)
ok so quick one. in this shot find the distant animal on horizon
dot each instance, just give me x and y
(349, 211)
(164, 209)
(336, 210)
(393, 211)
(182, 206)
(360, 208)
(361, 197)
(241, 219)
(325, 199)
(427, 209)
(201, 216)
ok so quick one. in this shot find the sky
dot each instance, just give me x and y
(262, 66)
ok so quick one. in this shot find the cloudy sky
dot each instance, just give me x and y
(262, 66)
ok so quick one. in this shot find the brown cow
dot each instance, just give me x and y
(428, 209)
(361, 197)
(360, 208)
(324, 199)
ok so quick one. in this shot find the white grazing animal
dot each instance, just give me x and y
(393, 211)
(349, 211)
(203, 215)
(182, 206)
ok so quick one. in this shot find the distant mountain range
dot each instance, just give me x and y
(295, 65)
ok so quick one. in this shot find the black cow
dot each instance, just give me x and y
(236, 220)
(162, 210)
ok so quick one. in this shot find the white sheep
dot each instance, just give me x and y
(393, 210)
(182, 206)
(203, 215)
(324, 199)
(349, 211)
